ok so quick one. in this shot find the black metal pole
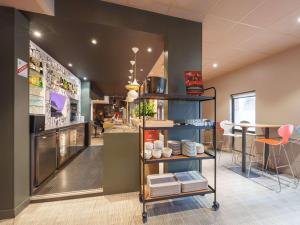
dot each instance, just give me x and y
(215, 145)
(267, 135)
(143, 144)
(244, 144)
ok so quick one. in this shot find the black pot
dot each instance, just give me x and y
(156, 85)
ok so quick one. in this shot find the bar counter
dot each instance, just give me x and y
(51, 149)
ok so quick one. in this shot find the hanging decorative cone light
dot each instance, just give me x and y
(133, 86)
(135, 50)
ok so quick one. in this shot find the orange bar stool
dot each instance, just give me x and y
(285, 133)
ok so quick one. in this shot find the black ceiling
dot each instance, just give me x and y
(105, 64)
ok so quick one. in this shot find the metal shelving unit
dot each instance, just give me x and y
(144, 194)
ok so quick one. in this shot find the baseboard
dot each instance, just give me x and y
(66, 195)
(12, 213)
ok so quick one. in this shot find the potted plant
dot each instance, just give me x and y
(146, 110)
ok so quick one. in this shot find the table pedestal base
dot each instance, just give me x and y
(238, 170)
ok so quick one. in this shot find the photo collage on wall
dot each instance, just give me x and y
(52, 88)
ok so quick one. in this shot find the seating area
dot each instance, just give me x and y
(268, 162)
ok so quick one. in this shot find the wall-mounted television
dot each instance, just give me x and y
(57, 104)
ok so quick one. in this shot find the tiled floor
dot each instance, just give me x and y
(242, 202)
(87, 167)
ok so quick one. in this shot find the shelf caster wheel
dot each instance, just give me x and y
(141, 197)
(215, 206)
(144, 217)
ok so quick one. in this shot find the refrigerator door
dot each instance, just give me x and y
(46, 157)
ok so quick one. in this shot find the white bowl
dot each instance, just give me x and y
(156, 153)
(199, 148)
(148, 154)
(167, 152)
(158, 144)
(149, 145)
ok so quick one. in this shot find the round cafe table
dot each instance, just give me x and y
(245, 127)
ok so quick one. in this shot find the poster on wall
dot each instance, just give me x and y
(22, 68)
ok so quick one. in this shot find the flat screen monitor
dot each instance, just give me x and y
(57, 104)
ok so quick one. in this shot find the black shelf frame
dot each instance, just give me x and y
(175, 97)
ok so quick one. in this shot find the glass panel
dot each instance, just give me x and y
(244, 109)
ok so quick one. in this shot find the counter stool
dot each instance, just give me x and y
(227, 126)
(284, 132)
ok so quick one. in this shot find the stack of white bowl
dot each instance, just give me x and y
(189, 148)
(148, 150)
(175, 146)
(158, 147)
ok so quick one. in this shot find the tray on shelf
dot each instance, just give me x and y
(148, 198)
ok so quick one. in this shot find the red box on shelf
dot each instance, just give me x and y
(193, 82)
(151, 135)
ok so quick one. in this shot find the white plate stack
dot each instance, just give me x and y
(175, 146)
(191, 181)
(162, 185)
(189, 148)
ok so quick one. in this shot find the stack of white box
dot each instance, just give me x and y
(163, 184)
(191, 181)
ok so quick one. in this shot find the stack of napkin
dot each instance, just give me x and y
(191, 181)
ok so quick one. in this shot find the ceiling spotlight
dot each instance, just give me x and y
(130, 77)
(298, 19)
(84, 78)
(149, 49)
(135, 50)
(37, 34)
(215, 65)
(132, 62)
(141, 70)
(131, 71)
(94, 41)
(70, 64)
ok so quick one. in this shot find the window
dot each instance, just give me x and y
(243, 108)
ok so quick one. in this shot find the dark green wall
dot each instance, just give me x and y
(14, 114)
(86, 100)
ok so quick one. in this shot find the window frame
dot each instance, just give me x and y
(232, 97)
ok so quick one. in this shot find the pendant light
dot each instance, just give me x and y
(133, 85)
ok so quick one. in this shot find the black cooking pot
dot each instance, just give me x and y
(156, 85)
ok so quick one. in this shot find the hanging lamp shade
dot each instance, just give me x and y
(129, 99)
(133, 86)
(135, 83)
(132, 94)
